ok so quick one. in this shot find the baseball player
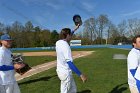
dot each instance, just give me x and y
(65, 64)
(8, 82)
(133, 62)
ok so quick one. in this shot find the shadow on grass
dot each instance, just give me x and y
(38, 79)
(119, 88)
(85, 91)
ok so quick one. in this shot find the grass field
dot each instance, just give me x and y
(105, 75)
(36, 60)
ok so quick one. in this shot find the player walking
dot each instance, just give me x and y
(65, 64)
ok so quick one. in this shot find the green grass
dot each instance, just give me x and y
(36, 60)
(105, 75)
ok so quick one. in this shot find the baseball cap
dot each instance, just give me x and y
(77, 20)
(5, 37)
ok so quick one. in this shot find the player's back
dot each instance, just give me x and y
(63, 52)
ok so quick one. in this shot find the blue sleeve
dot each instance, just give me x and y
(72, 32)
(74, 68)
(133, 71)
(138, 84)
(6, 68)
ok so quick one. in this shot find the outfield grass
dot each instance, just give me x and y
(105, 75)
(36, 60)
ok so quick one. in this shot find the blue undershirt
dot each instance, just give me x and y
(133, 71)
(6, 68)
(74, 68)
(72, 32)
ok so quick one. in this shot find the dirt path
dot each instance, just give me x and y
(48, 65)
(53, 53)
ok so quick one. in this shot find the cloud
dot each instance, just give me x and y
(28, 2)
(85, 7)
(131, 13)
(88, 6)
(47, 3)
(54, 6)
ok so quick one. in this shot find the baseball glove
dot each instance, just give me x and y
(77, 20)
(20, 66)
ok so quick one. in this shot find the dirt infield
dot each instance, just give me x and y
(53, 53)
(48, 65)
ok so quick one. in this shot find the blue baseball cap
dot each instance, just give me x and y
(5, 37)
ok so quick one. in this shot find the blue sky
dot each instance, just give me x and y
(57, 14)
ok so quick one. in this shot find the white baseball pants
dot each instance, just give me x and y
(133, 89)
(67, 83)
(11, 88)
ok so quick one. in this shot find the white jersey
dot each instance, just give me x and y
(63, 52)
(6, 77)
(133, 62)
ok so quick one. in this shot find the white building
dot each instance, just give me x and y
(75, 43)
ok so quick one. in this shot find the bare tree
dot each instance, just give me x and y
(28, 26)
(110, 28)
(17, 27)
(89, 29)
(102, 22)
(16, 30)
(113, 33)
(134, 26)
(122, 28)
(2, 28)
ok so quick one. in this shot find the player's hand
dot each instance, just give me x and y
(18, 65)
(83, 78)
(76, 27)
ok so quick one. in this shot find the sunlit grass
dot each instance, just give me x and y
(105, 75)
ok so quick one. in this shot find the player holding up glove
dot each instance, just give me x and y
(65, 64)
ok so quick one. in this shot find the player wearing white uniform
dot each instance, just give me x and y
(65, 64)
(8, 82)
(133, 62)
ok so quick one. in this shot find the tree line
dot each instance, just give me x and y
(101, 30)
(96, 30)
(29, 36)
